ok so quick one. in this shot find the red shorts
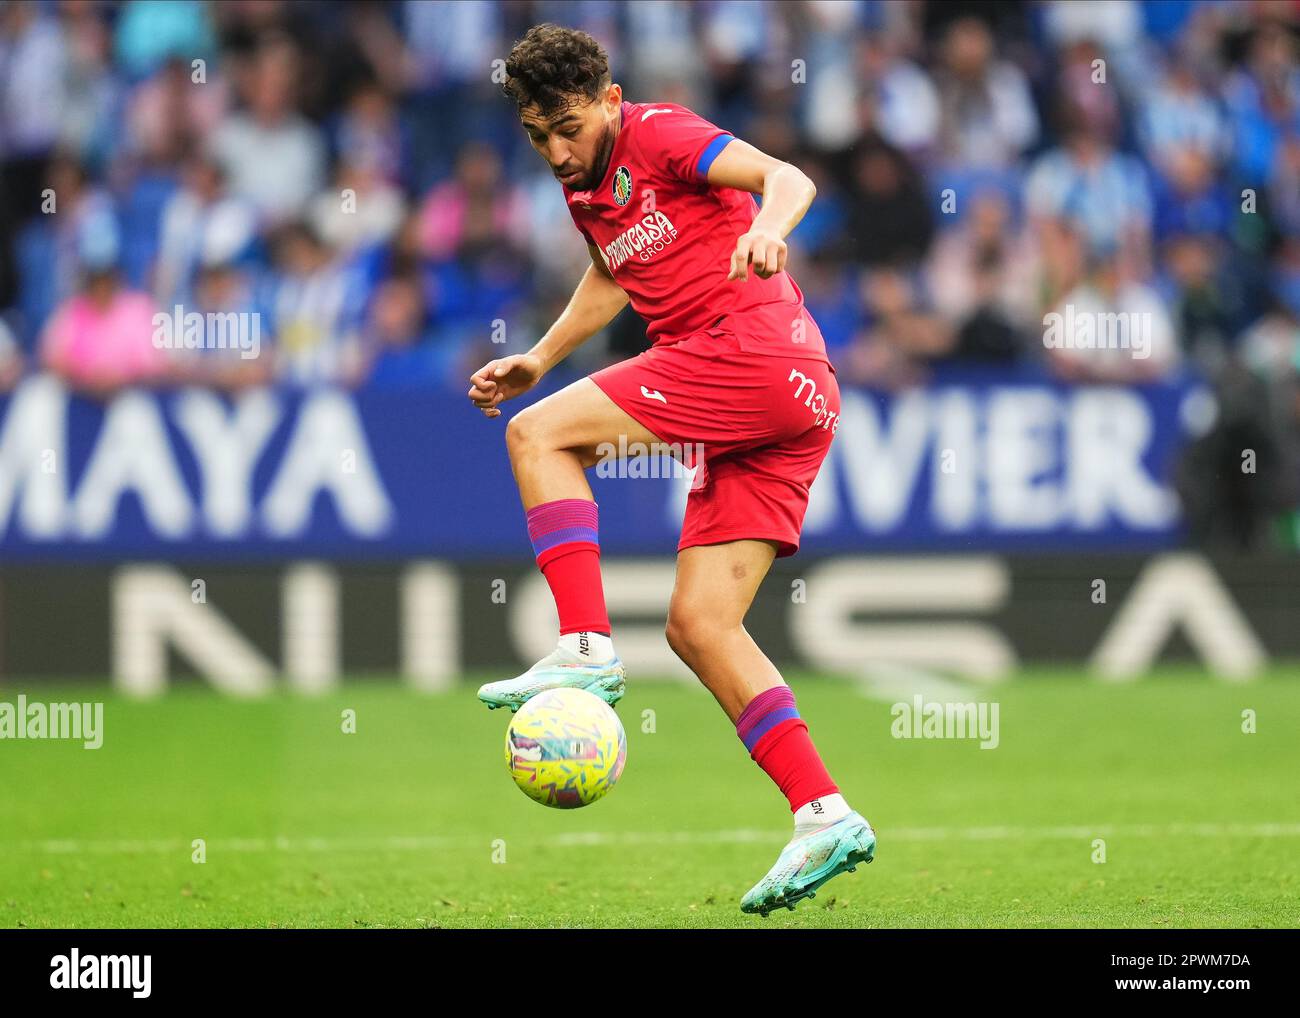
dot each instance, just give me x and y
(763, 422)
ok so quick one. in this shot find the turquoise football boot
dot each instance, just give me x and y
(561, 669)
(809, 861)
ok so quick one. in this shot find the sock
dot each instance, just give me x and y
(778, 741)
(820, 812)
(566, 542)
(596, 648)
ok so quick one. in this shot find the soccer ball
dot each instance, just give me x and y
(565, 748)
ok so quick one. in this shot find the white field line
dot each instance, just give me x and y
(421, 843)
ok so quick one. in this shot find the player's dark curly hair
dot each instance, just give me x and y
(555, 68)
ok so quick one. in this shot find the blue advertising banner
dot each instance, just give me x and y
(970, 461)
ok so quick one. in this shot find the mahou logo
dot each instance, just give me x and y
(622, 186)
(645, 238)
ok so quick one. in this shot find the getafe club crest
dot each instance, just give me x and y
(622, 186)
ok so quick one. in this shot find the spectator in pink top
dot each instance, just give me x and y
(100, 340)
(477, 210)
(11, 358)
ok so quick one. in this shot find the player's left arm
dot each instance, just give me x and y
(787, 193)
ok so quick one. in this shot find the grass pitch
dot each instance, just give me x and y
(413, 820)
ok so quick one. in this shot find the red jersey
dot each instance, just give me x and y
(667, 236)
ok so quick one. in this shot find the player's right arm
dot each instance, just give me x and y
(593, 305)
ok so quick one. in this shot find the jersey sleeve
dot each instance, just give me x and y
(681, 141)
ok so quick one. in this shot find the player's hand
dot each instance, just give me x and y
(502, 379)
(763, 250)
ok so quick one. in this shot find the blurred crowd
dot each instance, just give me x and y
(350, 173)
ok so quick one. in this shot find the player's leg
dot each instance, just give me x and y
(551, 443)
(715, 587)
(554, 441)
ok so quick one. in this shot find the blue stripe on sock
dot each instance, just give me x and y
(565, 535)
(769, 722)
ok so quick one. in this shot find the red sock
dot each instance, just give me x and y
(566, 542)
(778, 741)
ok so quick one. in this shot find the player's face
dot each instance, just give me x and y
(576, 142)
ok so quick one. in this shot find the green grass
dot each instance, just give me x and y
(396, 825)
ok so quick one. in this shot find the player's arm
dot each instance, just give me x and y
(787, 193)
(593, 305)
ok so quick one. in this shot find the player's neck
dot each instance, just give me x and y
(602, 169)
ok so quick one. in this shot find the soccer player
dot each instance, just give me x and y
(737, 367)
